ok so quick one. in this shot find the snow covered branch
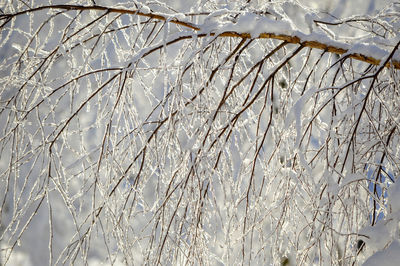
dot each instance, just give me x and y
(358, 51)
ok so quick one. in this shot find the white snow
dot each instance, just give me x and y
(379, 235)
(388, 257)
(367, 49)
(145, 10)
(256, 24)
(394, 197)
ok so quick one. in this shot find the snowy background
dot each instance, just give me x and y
(127, 140)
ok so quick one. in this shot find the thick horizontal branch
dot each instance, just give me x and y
(283, 37)
(317, 45)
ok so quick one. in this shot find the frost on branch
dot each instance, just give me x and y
(143, 133)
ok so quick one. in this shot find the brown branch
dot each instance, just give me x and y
(315, 44)
(283, 37)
